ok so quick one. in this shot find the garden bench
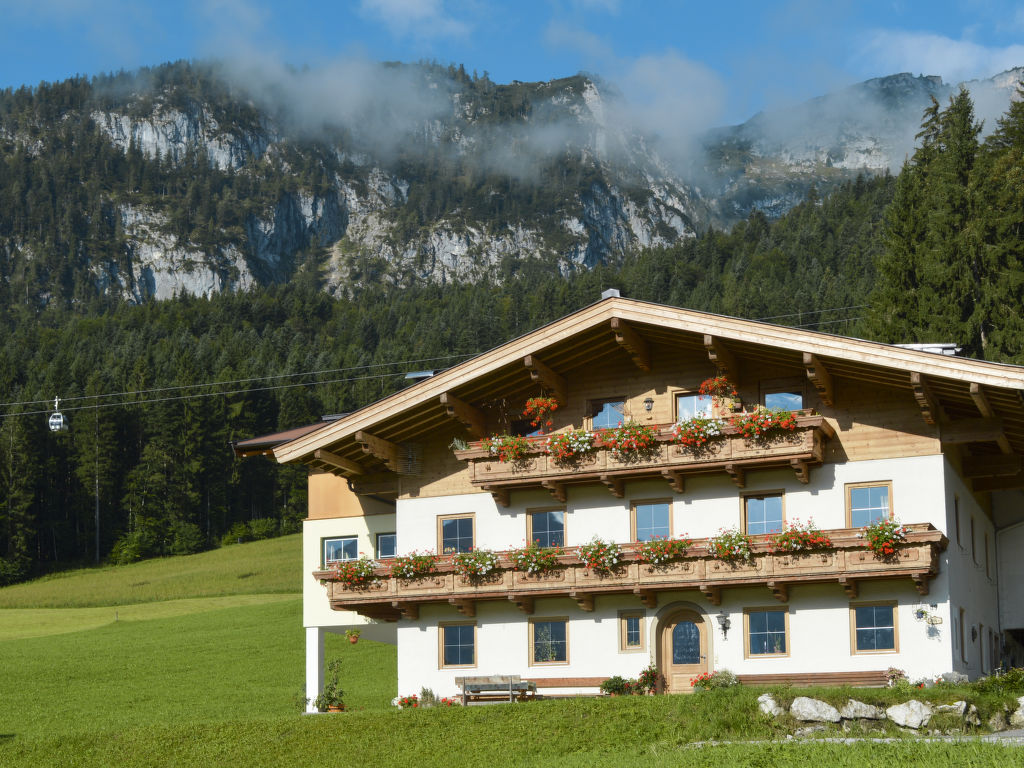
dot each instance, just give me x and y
(495, 687)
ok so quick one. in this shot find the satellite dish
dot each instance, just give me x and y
(57, 421)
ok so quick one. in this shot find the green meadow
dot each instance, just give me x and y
(180, 662)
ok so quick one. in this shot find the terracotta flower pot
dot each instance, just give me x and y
(353, 640)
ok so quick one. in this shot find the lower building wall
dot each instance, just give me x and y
(819, 637)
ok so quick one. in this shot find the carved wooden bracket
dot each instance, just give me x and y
(820, 377)
(408, 610)
(547, 377)
(471, 418)
(633, 343)
(985, 408)
(921, 582)
(584, 600)
(737, 474)
(676, 480)
(926, 401)
(523, 602)
(614, 485)
(779, 590)
(463, 606)
(647, 596)
(380, 448)
(712, 593)
(338, 461)
(849, 586)
(557, 490)
(802, 469)
(723, 359)
(500, 495)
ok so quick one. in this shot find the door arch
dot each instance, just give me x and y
(682, 649)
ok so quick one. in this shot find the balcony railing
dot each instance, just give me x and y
(799, 449)
(846, 563)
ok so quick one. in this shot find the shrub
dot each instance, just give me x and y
(730, 546)
(616, 685)
(533, 558)
(186, 538)
(600, 555)
(722, 678)
(237, 534)
(412, 701)
(264, 528)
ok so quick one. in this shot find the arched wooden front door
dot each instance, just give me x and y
(684, 650)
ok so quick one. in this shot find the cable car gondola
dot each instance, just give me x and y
(57, 421)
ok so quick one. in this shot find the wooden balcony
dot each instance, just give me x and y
(731, 453)
(847, 563)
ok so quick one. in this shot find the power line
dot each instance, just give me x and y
(813, 312)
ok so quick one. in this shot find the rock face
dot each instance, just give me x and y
(858, 710)
(911, 714)
(813, 710)
(767, 704)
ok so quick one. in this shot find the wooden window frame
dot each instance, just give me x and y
(593, 402)
(530, 638)
(788, 384)
(440, 527)
(376, 542)
(744, 495)
(531, 511)
(628, 614)
(746, 632)
(848, 492)
(440, 644)
(632, 515)
(323, 552)
(854, 651)
(676, 393)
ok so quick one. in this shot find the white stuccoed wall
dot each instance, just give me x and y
(819, 615)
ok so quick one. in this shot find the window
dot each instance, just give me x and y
(956, 519)
(546, 527)
(631, 631)
(549, 641)
(787, 400)
(762, 513)
(344, 548)
(867, 502)
(651, 519)
(458, 644)
(688, 406)
(386, 543)
(874, 628)
(988, 571)
(766, 630)
(974, 553)
(607, 414)
(455, 534)
(960, 633)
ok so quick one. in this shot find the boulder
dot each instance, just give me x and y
(910, 714)
(957, 707)
(997, 722)
(858, 710)
(808, 730)
(767, 704)
(971, 716)
(1017, 718)
(813, 710)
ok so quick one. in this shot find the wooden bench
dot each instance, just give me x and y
(495, 687)
(866, 679)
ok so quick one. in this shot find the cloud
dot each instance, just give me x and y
(931, 54)
(574, 37)
(415, 18)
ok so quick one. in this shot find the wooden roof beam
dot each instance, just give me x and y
(972, 431)
(380, 448)
(464, 413)
(821, 378)
(998, 483)
(985, 408)
(722, 358)
(633, 343)
(338, 461)
(926, 401)
(541, 373)
(992, 466)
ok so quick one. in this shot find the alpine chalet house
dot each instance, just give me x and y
(827, 508)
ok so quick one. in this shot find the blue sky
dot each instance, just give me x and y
(727, 60)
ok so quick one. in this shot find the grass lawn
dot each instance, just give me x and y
(260, 567)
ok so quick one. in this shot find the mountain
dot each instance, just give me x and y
(196, 178)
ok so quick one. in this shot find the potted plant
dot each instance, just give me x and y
(730, 546)
(614, 686)
(356, 573)
(797, 537)
(723, 393)
(649, 679)
(353, 635)
(695, 433)
(533, 558)
(538, 410)
(600, 556)
(475, 564)
(882, 536)
(631, 441)
(330, 698)
(570, 446)
(413, 565)
(659, 550)
(762, 423)
(507, 448)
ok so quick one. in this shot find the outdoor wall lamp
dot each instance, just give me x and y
(724, 622)
(648, 403)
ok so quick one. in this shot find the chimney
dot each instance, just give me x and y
(611, 293)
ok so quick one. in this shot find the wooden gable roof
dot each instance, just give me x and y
(968, 400)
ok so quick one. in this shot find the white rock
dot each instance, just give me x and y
(808, 730)
(911, 714)
(858, 710)
(813, 710)
(767, 704)
(959, 707)
(1017, 718)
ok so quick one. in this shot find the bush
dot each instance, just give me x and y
(616, 685)
(186, 539)
(237, 533)
(264, 528)
(140, 543)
